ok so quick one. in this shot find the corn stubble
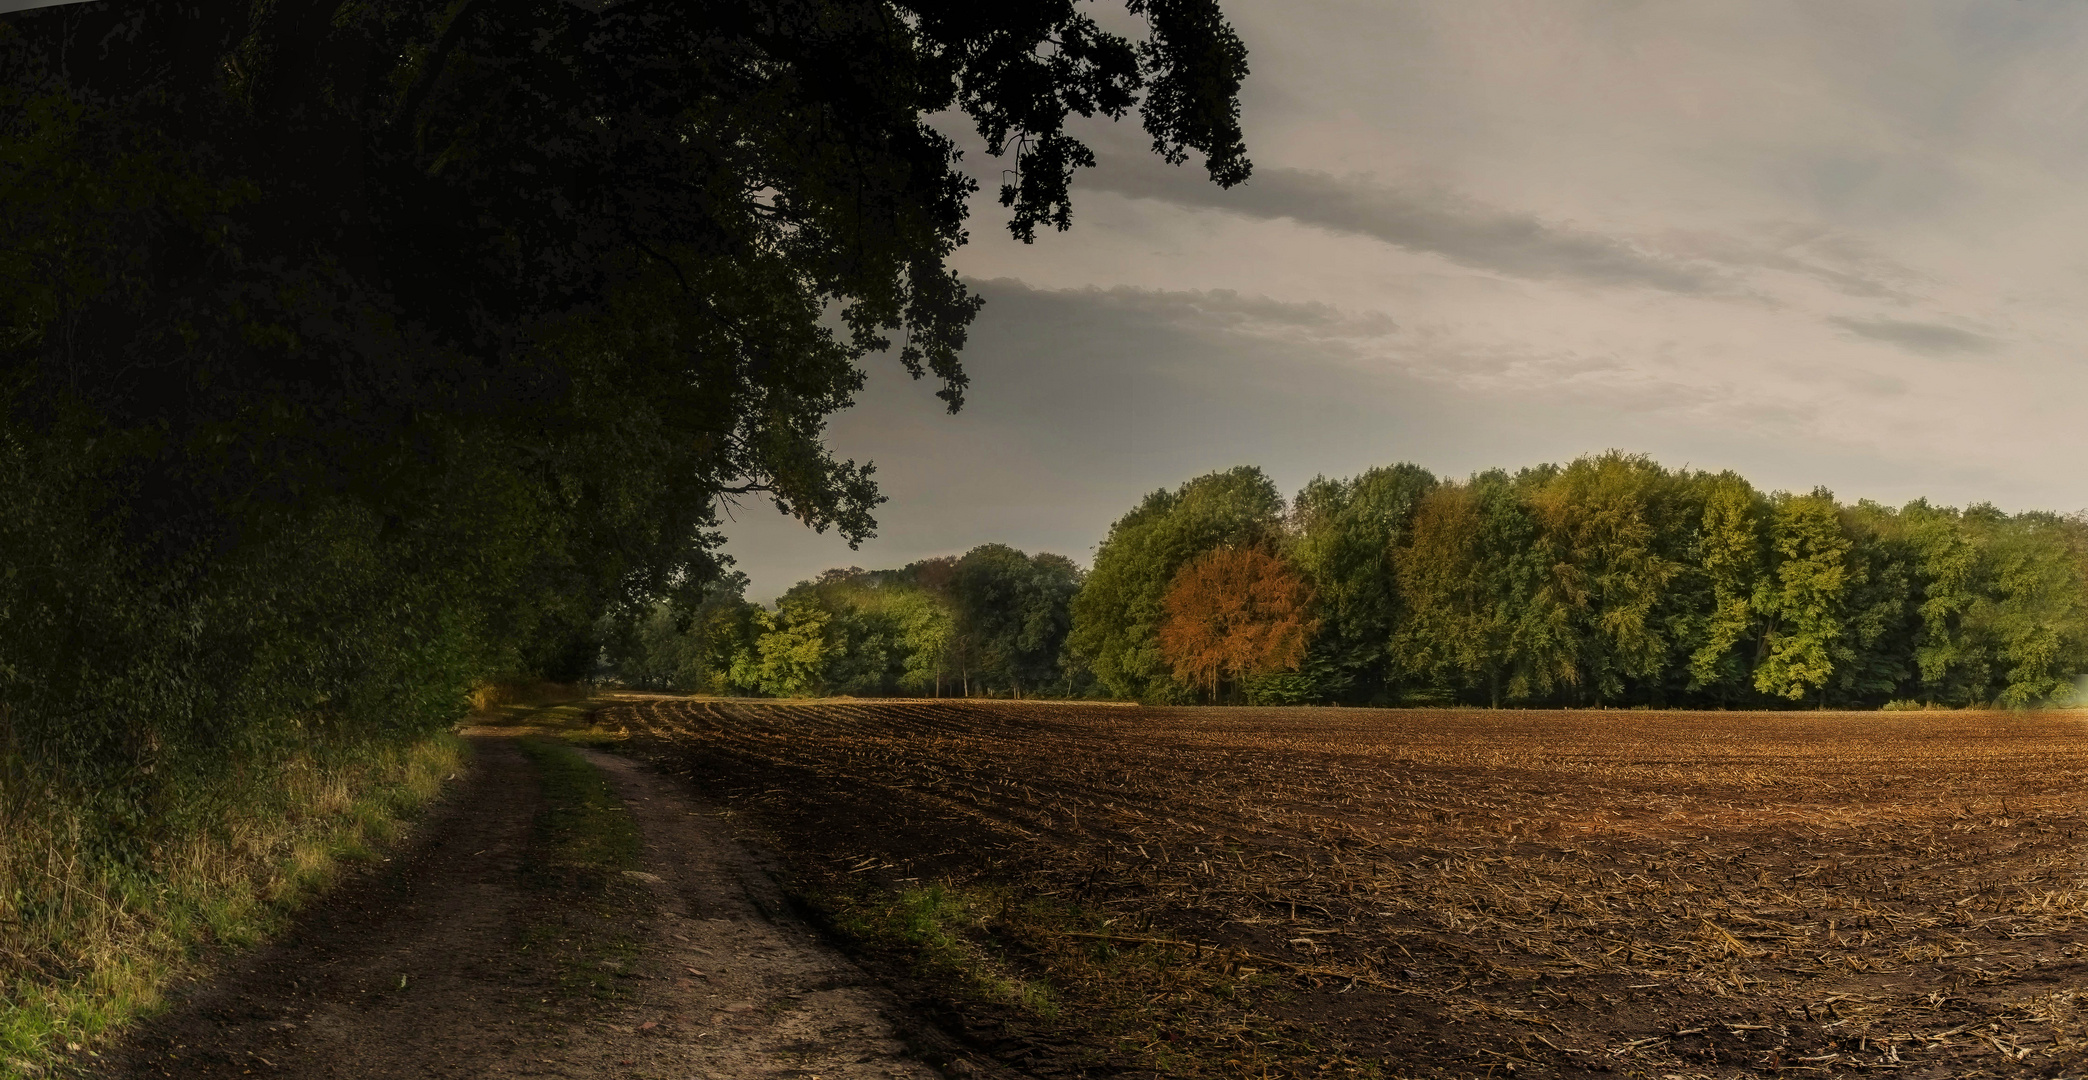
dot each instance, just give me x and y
(1233, 892)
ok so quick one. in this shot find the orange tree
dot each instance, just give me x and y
(1233, 613)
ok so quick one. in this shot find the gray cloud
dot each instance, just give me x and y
(1928, 339)
(1441, 223)
(1224, 309)
(1840, 261)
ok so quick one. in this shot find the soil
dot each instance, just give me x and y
(1413, 893)
(453, 959)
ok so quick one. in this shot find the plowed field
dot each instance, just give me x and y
(1424, 893)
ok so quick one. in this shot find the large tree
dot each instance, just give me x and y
(1119, 609)
(1343, 537)
(1231, 614)
(1603, 525)
(432, 328)
(1804, 597)
(1730, 554)
(1011, 613)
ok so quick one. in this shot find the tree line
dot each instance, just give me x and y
(991, 623)
(1608, 581)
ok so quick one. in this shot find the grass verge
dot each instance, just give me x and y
(86, 945)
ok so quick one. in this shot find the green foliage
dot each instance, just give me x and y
(1731, 552)
(1612, 580)
(1011, 615)
(1117, 614)
(1606, 524)
(666, 647)
(990, 623)
(1342, 537)
(1877, 658)
(1804, 598)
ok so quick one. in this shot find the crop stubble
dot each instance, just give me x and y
(1416, 892)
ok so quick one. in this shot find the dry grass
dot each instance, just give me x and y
(85, 945)
(1466, 892)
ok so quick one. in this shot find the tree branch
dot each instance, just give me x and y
(431, 69)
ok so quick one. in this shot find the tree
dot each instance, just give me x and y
(1011, 614)
(674, 649)
(791, 653)
(1952, 650)
(1343, 535)
(2040, 619)
(480, 308)
(1118, 611)
(1453, 635)
(922, 626)
(1730, 555)
(1875, 662)
(1233, 613)
(1803, 597)
(1600, 524)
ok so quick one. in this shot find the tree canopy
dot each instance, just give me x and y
(351, 353)
(1234, 613)
(989, 623)
(1610, 580)
(1117, 615)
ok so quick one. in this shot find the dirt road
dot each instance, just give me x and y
(453, 960)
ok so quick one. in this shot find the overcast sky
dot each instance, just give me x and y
(1840, 244)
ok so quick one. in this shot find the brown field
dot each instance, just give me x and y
(1304, 892)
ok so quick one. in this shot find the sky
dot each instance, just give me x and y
(1820, 244)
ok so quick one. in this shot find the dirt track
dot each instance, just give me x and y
(426, 968)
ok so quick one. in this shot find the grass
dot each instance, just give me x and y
(952, 935)
(86, 945)
(584, 826)
(588, 911)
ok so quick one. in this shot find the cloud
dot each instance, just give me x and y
(1435, 221)
(1832, 257)
(1928, 339)
(1224, 310)
(1291, 348)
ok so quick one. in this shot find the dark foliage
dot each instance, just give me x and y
(352, 352)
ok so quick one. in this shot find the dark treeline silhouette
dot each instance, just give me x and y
(353, 355)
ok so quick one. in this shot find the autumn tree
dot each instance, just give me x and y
(1121, 604)
(1232, 614)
